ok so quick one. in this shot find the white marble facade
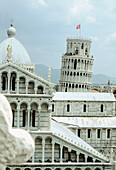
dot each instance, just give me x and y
(57, 146)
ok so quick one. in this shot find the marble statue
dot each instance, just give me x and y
(16, 145)
(9, 50)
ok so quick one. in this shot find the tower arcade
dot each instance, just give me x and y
(76, 68)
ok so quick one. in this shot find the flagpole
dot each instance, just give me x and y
(80, 31)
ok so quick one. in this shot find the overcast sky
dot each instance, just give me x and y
(43, 25)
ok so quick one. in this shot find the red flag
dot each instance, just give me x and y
(78, 26)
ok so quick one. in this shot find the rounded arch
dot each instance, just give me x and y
(4, 80)
(27, 169)
(34, 114)
(22, 76)
(86, 51)
(38, 150)
(23, 101)
(77, 168)
(36, 137)
(7, 168)
(40, 89)
(13, 77)
(50, 137)
(13, 72)
(88, 168)
(98, 168)
(48, 149)
(75, 64)
(44, 107)
(77, 50)
(14, 113)
(67, 168)
(31, 85)
(37, 169)
(23, 114)
(22, 84)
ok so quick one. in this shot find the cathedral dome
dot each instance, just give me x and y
(19, 53)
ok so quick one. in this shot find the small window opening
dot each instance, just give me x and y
(24, 118)
(52, 107)
(98, 133)
(13, 114)
(33, 118)
(84, 108)
(82, 46)
(102, 109)
(108, 133)
(89, 133)
(68, 108)
(79, 132)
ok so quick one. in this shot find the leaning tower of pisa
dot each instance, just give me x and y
(77, 65)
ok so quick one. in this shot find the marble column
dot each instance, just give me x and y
(28, 109)
(53, 144)
(86, 158)
(18, 112)
(8, 82)
(43, 150)
(39, 112)
(77, 153)
(26, 88)
(61, 147)
(17, 85)
(33, 158)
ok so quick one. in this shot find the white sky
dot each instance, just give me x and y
(43, 26)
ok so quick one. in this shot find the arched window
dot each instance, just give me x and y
(33, 118)
(89, 133)
(75, 64)
(102, 108)
(13, 114)
(65, 89)
(79, 132)
(71, 45)
(31, 87)
(52, 107)
(82, 46)
(84, 108)
(76, 85)
(44, 107)
(13, 81)
(108, 133)
(76, 50)
(22, 86)
(68, 108)
(40, 90)
(98, 133)
(24, 118)
(7, 168)
(86, 51)
(4, 81)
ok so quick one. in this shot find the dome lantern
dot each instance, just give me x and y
(11, 31)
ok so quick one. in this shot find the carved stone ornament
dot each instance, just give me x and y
(9, 52)
(16, 145)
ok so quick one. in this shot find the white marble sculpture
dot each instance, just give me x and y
(16, 145)
(9, 50)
